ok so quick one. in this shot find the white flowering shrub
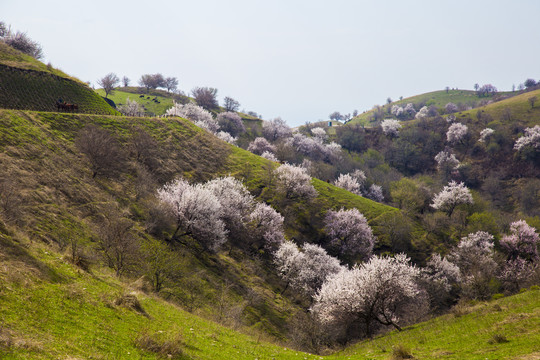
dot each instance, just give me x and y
(530, 139)
(266, 227)
(295, 182)
(485, 134)
(225, 136)
(422, 113)
(261, 145)
(382, 291)
(197, 212)
(349, 232)
(375, 193)
(319, 134)
(452, 195)
(276, 129)
(269, 156)
(391, 127)
(201, 117)
(456, 132)
(305, 270)
(349, 183)
(131, 108)
(474, 256)
(446, 161)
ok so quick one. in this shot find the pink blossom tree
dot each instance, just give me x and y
(381, 291)
(452, 195)
(349, 233)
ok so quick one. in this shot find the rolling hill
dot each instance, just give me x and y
(31, 85)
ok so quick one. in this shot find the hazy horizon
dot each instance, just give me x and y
(300, 60)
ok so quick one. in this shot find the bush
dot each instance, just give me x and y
(162, 344)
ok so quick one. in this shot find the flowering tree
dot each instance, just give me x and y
(380, 291)
(396, 110)
(456, 132)
(451, 108)
(474, 257)
(231, 122)
(375, 193)
(440, 277)
(295, 182)
(452, 195)
(350, 233)
(422, 113)
(409, 110)
(197, 212)
(235, 200)
(276, 129)
(266, 227)
(390, 127)
(269, 156)
(201, 117)
(305, 270)
(485, 134)
(225, 136)
(350, 183)
(131, 108)
(522, 242)
(332, 152)
(530, 139)
(261, 145)
(319, 134)
(446, 163)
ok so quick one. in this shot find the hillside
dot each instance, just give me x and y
(53, 310)
(31, 85)
(51, 197)
(436, 98)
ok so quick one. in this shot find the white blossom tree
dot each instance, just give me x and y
(261, 145)
(307, 269)
(522, 242)
(390, 127)
(352, 182)
(474, 256)
(231, 122)
(409, 110)
(456, 132)
(381, 291)
(446, 163)
(451, 108)
(201, 117)
(332, 152)
(350, 233)
(319, 134)
(375, 193)
(440, 278)
(269, 156)
(485, 134)
(452, 195)
(276, 129)
(266, 227)
(530, 139)
(225, 136)
(197, 212)
(422, 113)
(131, 108)
(295, 182)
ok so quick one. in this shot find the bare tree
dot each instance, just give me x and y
(101, 148)
(171, 84)
(205, 97)
(152, 81)
(126, 81)
(231, 104)
(108, 83)
(532, 100)
(20, 41)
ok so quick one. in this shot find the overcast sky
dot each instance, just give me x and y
(298, 59)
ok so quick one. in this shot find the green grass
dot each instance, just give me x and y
(150, 107)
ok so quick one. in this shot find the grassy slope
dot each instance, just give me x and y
(28, 84)
(437, 98)
(52, 310)
(120, 97)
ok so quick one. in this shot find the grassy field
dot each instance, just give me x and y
(151, 107)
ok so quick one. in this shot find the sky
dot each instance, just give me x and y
(297, 59)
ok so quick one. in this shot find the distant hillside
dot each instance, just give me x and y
(28, 84)
(436, 98)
